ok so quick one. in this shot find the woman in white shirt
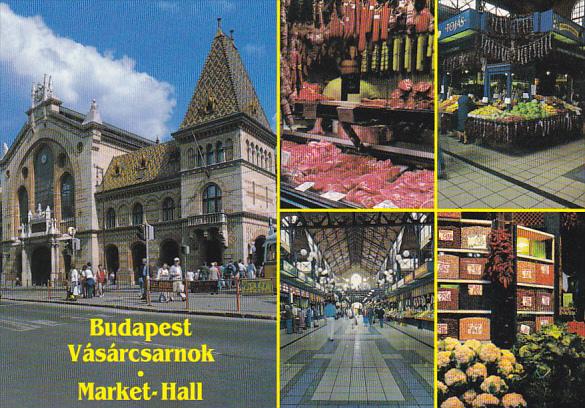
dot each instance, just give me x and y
(74, 281)
(163, 274)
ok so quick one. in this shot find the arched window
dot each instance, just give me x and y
(199, 157)
(111, 218)
(269, 163)
(191, 158)
(67, 197)
(219, 152)
(137, 214)
(23, 205)
(44, 178)
(257, 162)
(209, 154)
(168, 209)
(247, 150)
(253, 153)
(578, 14)
(211, 199)
(229, 150)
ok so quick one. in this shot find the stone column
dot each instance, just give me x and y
(26, 272)
(54, 260)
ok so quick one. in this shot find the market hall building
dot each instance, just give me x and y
(211, 188)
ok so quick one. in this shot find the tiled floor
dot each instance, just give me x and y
(363, 366)
(469, 187)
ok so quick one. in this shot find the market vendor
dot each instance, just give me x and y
(466, 104)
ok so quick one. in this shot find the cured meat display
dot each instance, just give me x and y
(365, 181)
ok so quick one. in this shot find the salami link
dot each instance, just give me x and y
(376, 26)
(363, 29)
(384, 22)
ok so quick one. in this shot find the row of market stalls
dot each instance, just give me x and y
(357, 103)
(512, 90)
(359, 260)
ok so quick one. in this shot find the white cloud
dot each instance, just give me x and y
(132, 100)
(255, 50)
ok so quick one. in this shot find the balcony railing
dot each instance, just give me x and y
(204, 219)
(66, 224)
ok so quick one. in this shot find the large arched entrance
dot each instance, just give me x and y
(258, 256)
(40, 264)
(212, 251)
(169, 250)
(112, 259)
(138, 254)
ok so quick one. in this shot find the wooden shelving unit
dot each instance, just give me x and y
(538, 249)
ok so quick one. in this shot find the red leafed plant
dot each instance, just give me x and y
(500, 265)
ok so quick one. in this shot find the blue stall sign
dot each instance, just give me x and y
(459, 26)
(564, 29)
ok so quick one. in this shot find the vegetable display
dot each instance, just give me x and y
(554, 360)
(476, 374)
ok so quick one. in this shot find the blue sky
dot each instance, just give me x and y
(139, 58)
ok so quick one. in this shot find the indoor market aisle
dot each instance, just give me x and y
(363, 366)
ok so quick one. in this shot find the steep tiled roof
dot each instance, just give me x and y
(156, 162)
(224, 87)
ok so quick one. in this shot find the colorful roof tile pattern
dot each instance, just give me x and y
(156, 162)
(224, 87)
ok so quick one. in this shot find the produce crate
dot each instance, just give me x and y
(544, 300)
(526, 327)
(525, 300)
(475, 237)
(448, 267)
(474, 328)
(526, 272)
(448, 298)
(474, 297)
(545, 274)
(472, 268)
(449, 236)
(448, 327)
(542, 321)
(452, 215)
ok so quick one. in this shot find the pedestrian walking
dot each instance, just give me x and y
(251, 270)
(73, 283)
(90, 281)
(142, 278)
(330, 313)
(83, 281)
(214, 276)
(101, 277)
(176, 274)
(380, 313)
(163, 274)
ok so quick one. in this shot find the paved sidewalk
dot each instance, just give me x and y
(263, 306)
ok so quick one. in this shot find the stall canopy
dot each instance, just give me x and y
(347, 240)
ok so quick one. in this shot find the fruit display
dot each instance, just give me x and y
(450, 105)
(540, 122)
(475, 374)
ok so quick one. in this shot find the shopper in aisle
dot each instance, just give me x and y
(380, 313)
(330, 313)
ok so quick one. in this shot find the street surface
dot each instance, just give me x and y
(36, 368)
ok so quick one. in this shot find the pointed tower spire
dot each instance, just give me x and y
(93, 116)
(224, 87)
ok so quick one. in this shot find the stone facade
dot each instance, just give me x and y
(210, 193)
